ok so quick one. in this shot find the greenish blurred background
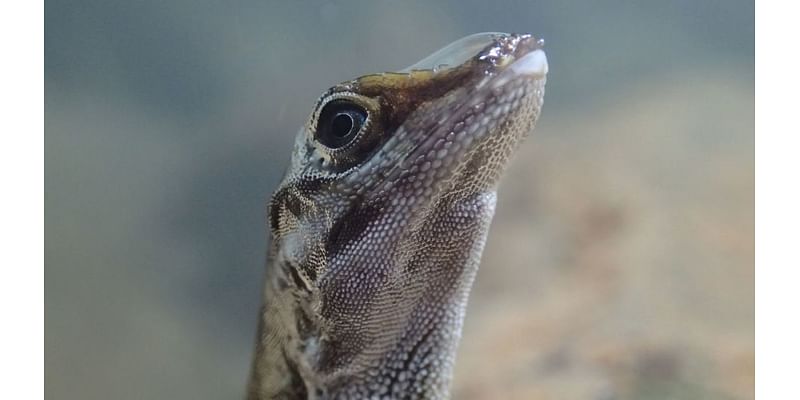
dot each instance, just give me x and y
(620, 262)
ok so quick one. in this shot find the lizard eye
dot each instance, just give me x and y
(339, 123)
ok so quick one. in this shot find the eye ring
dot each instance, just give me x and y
(339, 123)
(358, 128)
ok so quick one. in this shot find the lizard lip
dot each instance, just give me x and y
(520, 53)
(532, 64)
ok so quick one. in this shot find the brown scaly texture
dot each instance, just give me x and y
(376, 240)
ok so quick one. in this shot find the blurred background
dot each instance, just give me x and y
(620, 262)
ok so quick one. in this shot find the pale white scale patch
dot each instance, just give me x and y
(533, 63)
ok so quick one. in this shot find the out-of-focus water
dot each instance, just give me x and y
(620, 263)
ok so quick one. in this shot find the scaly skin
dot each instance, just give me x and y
(378, 227)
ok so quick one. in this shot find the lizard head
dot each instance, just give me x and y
(381, 219)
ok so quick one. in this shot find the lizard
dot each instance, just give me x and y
(378, 226)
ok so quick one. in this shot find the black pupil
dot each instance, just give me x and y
(339, 123)
(342, 125)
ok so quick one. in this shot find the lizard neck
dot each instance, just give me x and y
(288, 330)
(312, 345)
